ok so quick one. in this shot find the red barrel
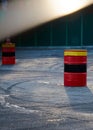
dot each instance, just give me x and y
(75, 68)
(8, 53)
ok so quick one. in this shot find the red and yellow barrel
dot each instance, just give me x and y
(8, 53)
(75, 68)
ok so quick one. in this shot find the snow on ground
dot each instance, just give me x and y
(33, 96)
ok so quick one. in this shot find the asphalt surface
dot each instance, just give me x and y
(33, 96)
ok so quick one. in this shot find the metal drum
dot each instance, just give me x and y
(75, 68)
(8, 54)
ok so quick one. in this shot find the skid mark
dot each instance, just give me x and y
(13, 107)
(8, 90)
(56, 66)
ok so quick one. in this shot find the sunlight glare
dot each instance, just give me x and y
(64, 7)
(21, 15)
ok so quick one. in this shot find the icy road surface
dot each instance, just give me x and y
(33, 96)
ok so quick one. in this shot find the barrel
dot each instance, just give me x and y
(8, 54)
(75, 68)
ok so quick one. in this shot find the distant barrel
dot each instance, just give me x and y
(75, 68)
(8, 54)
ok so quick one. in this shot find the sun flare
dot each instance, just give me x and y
(19, 15)
(64, 7)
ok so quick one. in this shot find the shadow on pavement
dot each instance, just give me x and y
(80, 99)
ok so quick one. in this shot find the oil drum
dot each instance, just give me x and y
(75, 67)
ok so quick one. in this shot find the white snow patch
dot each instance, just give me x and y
(45, 82)
(20, 109)
(54, 120)
(2, 99)
(15, 107)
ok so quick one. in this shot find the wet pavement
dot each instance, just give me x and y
(33, 96)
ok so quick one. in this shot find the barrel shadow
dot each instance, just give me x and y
(80, 99)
